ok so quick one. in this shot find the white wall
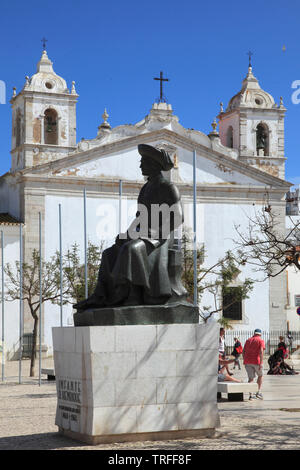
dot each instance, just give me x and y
(224, 123)
(11, 309)
(123, 164)
(293, 279)
(215, 228)
(293, 285)
(9, 197)
(208, 171)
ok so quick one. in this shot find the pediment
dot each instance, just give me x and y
(121, 160)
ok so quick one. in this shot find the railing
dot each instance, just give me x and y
(271, 339)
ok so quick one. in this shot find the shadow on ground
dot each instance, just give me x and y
(259, 436)
(41, 441)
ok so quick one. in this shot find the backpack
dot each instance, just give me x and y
(239, 349)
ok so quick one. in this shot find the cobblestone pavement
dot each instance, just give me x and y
(28, 415)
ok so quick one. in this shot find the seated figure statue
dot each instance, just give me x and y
(136, 269)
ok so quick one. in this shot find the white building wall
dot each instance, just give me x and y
(215, 229)
(293, 286)
(126, 165)
(11, 308)
(123, 164)
(208, 171)
(224, 123)
(9, 197)
(293, 283)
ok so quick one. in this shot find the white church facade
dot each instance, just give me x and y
(236, 168)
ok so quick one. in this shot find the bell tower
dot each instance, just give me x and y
(253, 124)
(43, 118)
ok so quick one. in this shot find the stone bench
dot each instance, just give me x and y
(235, 390)
(49, 372)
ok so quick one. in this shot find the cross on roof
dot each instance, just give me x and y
(44, 40)
(250, 54)
(161, 79)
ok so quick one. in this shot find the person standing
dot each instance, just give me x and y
(289, 342)
(222, 343)
(253, 361)
(222, 354)
(237, 351)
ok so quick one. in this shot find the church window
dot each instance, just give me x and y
(232, 304)
(18, 129)
(230, 137)
(51, 127)
(48, 85)
(262, 139)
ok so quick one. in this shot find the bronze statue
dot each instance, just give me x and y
(143, 267)
(134, 271)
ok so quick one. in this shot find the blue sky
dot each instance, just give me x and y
(114, 49)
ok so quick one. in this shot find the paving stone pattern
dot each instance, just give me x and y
(28, 415)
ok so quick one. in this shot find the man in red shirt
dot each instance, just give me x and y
(253, 360)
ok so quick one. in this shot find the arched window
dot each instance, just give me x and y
(262, 139)
(51, 127)
(229, 138)
(18, 129)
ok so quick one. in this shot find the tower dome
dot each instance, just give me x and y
(44, 130)
(251, 95)
(253, 125)
(45, 79)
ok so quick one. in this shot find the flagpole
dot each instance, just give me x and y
(195, 228)
(2, 301)
(40, 279)
(120, 204)
(60, 265)
(21, 305)
(85, 245)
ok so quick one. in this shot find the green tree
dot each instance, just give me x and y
(73, 283)
(74, 270)
(50, 289)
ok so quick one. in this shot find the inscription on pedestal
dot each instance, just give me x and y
(69, 403)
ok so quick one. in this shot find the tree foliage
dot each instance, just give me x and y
(267, 245)
(31, 292)
(74, 270)
(73, 282)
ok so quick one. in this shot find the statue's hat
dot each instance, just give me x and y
(158, 155)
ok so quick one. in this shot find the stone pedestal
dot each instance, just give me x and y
(136, 382)
(177, 312)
